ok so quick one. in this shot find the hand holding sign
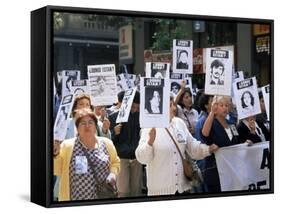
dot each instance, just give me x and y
(183, 84)
(214, 106)
(213, 148)
(56, 147)
(252, 125)
(105, 125)
(117, 129)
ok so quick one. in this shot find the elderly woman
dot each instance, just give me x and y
(217, 130)
(164, 166)
(76, 157)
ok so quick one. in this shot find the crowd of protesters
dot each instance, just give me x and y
(139, 162)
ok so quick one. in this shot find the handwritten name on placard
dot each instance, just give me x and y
(183, 43)
(245, 83)
(220, 54)
(153, 82)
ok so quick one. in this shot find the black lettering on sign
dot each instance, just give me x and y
(153, 82)
(265, 159)
(71, 73)
(67, 99)
(95, 70)
(176, 76)
(257, 186)
(158, 66)
(79, 83)
(244, 83)
(183, 43)
(108, 69)
(220, 54)
(267, 89)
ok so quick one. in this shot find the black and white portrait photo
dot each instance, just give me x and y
(175, 88)
(182, 59)
(153, 100)
(183, 56)
(217, 73)
(219, 70)
(246, 98)
(157, 70)
(247, 101)
(158, 73)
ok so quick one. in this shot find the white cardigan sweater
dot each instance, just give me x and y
(164, 167)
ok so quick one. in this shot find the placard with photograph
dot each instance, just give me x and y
(67, 77)
(265, 94)
(246, 98)
(121, 83)
(183, 56)
(157, 69)
(126, 105)
(80, 87)
(154, 106)
(61, 122)
(176, 81)
(102, 79)
(218, 77)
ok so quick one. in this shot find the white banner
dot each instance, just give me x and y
(103, 85)
(243, 167)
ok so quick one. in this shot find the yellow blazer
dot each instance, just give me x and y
(62, 162)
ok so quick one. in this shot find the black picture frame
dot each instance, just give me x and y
(42, 69)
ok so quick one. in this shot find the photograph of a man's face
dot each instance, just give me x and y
(217, 73)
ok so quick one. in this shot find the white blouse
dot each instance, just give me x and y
(164, 165)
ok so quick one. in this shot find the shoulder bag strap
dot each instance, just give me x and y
(174, 141)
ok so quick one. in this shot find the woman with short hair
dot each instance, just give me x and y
(72, 162)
